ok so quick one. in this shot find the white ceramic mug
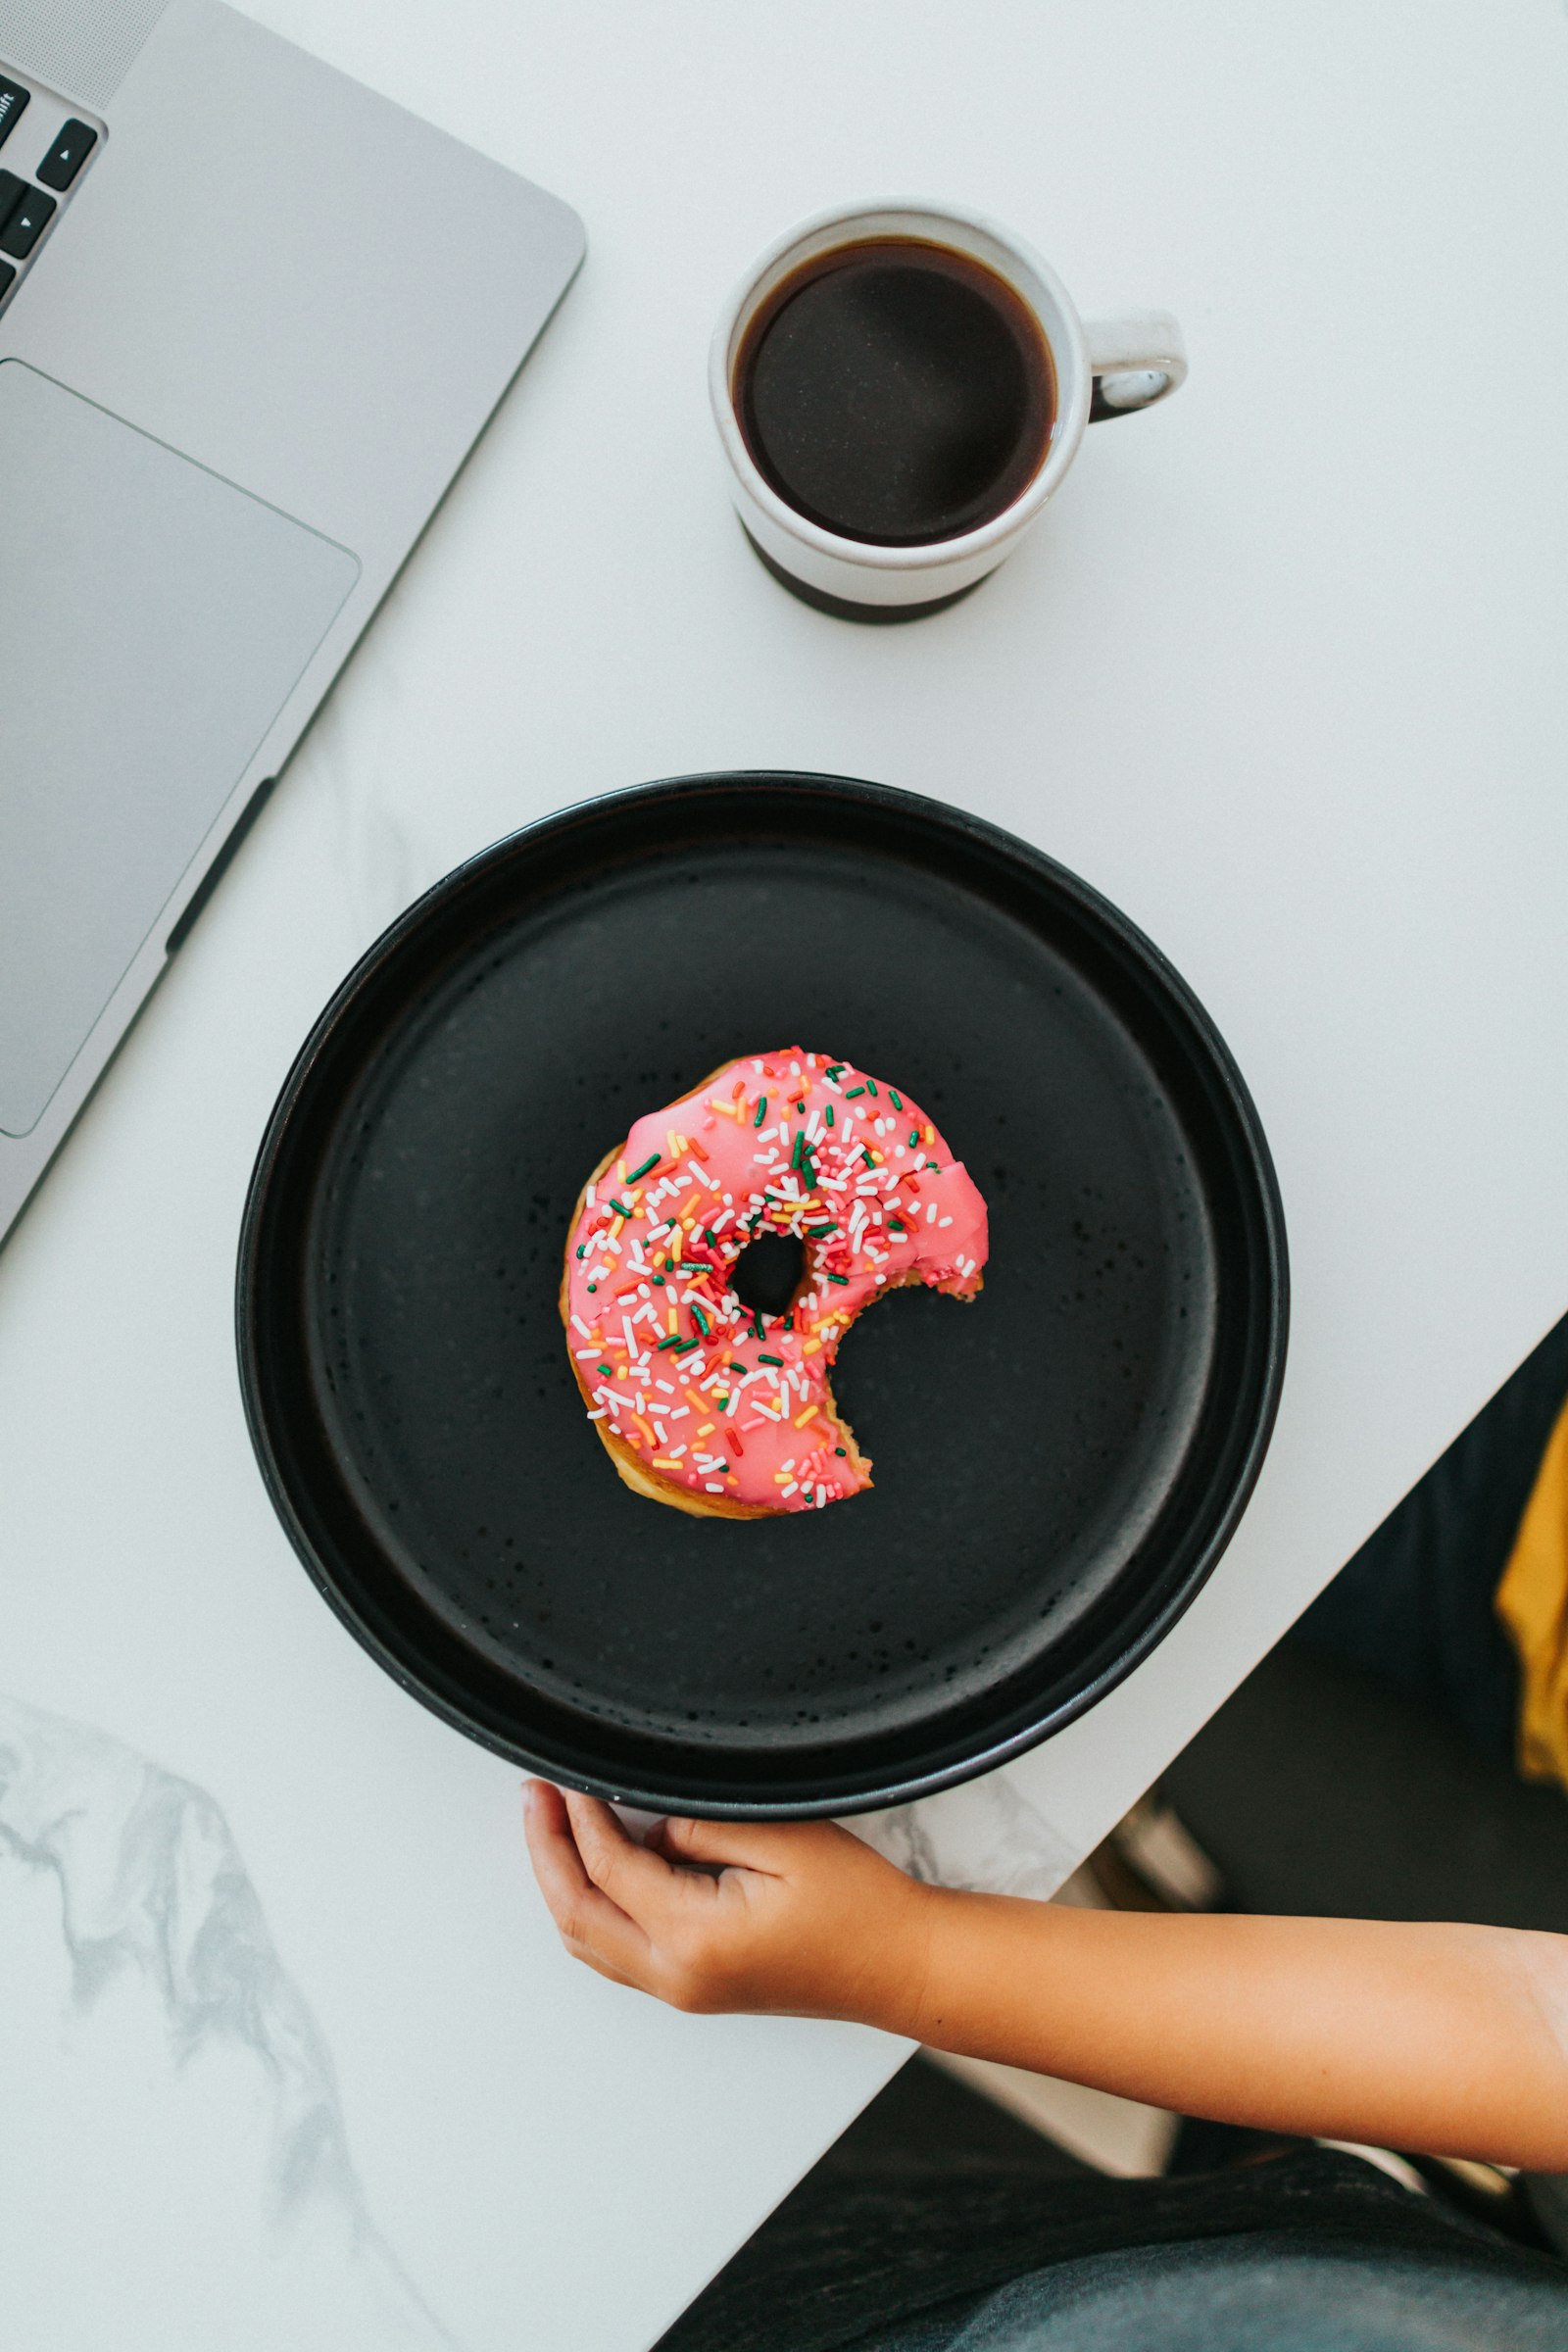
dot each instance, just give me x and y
(1103, 368)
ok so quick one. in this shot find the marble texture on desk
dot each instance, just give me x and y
(172, 2072)
(169, 2073)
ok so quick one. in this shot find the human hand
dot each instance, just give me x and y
(797, 1918)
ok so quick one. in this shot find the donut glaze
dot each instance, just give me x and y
(700, 1402)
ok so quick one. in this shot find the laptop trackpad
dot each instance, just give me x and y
(153, 621)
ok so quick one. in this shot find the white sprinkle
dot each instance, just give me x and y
(715, 1485)
(599, 1416)
(791, 1489)
(930, 1212)
(941, 1221)
(579, 1325)
(631, 1343)
(822, 1497)
(581, 1352)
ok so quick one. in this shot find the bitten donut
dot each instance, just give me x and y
(704, 1403)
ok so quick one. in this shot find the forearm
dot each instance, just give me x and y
(1437, 2039)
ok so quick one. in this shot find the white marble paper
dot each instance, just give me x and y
(164, 2079)
(985, 1835)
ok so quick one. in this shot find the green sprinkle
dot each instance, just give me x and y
(674, 1340)
(756, 1324)
(814, 1232)
(795, 1155)
(643, 1170)
(827, 1114)
(591, 1287)
(761, 1111)
(914, 1135)
(620, 1208)
(686, 1345)
(895, 1098)
(854, 1090)
(867, 1157)
(844, 1450)
(710, 1237)
(834, 1068)
(607, 1371)
(932, 1165)
(582, 1249)
(870, 1085)
(659, 1281)
(701, 1321)
(770, 1359)
(842, 1279)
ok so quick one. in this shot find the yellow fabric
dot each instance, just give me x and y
(1533, 1603)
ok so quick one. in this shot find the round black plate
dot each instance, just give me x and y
(1057, 1465)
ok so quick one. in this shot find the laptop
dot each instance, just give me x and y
(252, 319)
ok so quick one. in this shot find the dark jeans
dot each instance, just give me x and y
(904, 2265)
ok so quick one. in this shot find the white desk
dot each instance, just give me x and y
(1282, 672)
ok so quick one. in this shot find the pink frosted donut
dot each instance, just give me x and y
(701, 1401)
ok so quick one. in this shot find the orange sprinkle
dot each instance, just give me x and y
(696, 1150)
(647, 1432)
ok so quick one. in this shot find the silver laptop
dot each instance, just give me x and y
(252, 319)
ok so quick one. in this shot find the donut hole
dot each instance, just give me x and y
(767, 1273)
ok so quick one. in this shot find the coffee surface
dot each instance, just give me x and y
(896, 391)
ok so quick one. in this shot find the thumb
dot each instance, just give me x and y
(773, 1847)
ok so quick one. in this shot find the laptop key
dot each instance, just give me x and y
(26, 223)
(67, 156)
(13, 98)
(12, 191)
(6, 274)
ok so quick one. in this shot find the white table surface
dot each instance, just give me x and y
(1282, 672)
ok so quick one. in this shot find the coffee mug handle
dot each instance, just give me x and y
(1135, 362)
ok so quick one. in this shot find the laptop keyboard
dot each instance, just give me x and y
(32, 117)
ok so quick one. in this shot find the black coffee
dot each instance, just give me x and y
(896, 391)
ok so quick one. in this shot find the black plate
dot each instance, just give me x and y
(1057, 1466)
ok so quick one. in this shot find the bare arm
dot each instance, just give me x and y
(1439, 2039)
